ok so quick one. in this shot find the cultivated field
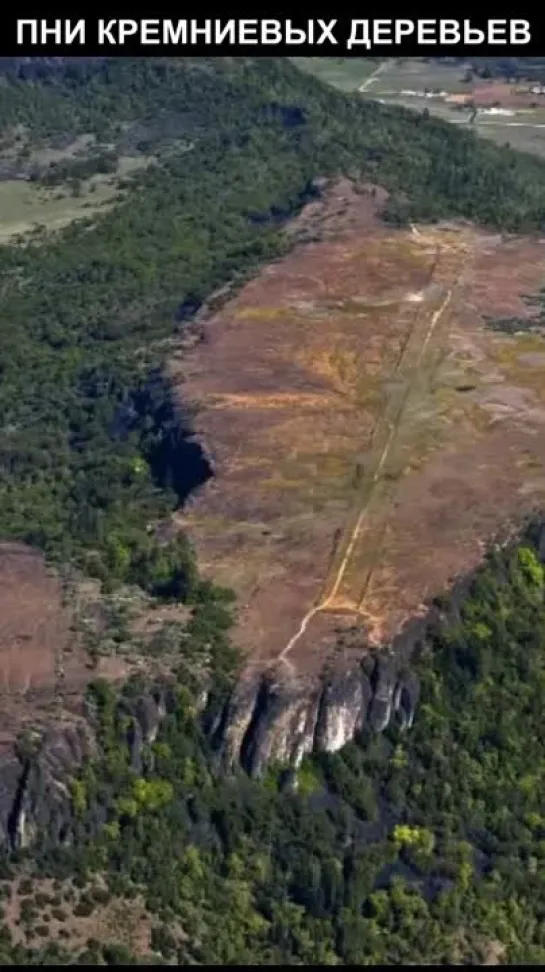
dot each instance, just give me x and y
(371, 436)
(346, 73)
(507, 112)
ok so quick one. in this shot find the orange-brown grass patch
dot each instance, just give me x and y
(370, 434)
(504, 95)
(44, 664)
(34, 628)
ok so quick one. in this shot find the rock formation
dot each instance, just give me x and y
(273, 719)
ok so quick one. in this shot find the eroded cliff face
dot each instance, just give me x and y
(268, 720)
(37, 772)
(35, 781)
(274, 721)
(272, 718)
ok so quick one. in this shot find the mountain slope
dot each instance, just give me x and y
(95, 457)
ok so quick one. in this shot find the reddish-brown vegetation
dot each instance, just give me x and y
(44, 666)
(371, 436)
(503, 94)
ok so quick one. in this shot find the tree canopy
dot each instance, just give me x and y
(406, 847)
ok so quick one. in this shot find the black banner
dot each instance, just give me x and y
(208, 33)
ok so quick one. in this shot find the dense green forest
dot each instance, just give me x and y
(421, 846)
(403, 848)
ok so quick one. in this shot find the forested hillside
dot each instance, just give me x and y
(424, 847)
(87, 434)
(413, 847)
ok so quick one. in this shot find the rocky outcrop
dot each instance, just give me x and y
(37, 771)
(143, 728)
(35, 777)
(291, 709)
(269, 719)
(344, 706)
(272, 719)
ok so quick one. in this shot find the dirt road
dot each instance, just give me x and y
(411, 378)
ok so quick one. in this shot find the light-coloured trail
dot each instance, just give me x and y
(392, 430)
(359, 523)
(372, 77)
(327, 602)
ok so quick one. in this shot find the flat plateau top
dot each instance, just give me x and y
(371, 435)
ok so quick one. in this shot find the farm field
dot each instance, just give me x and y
(359, 412)
(506, 112)
(344, 73)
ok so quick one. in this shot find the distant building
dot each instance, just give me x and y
(458, 99)
(496, 111)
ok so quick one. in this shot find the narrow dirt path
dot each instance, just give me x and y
(408, 367)
(373, 76)
(411, 362)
